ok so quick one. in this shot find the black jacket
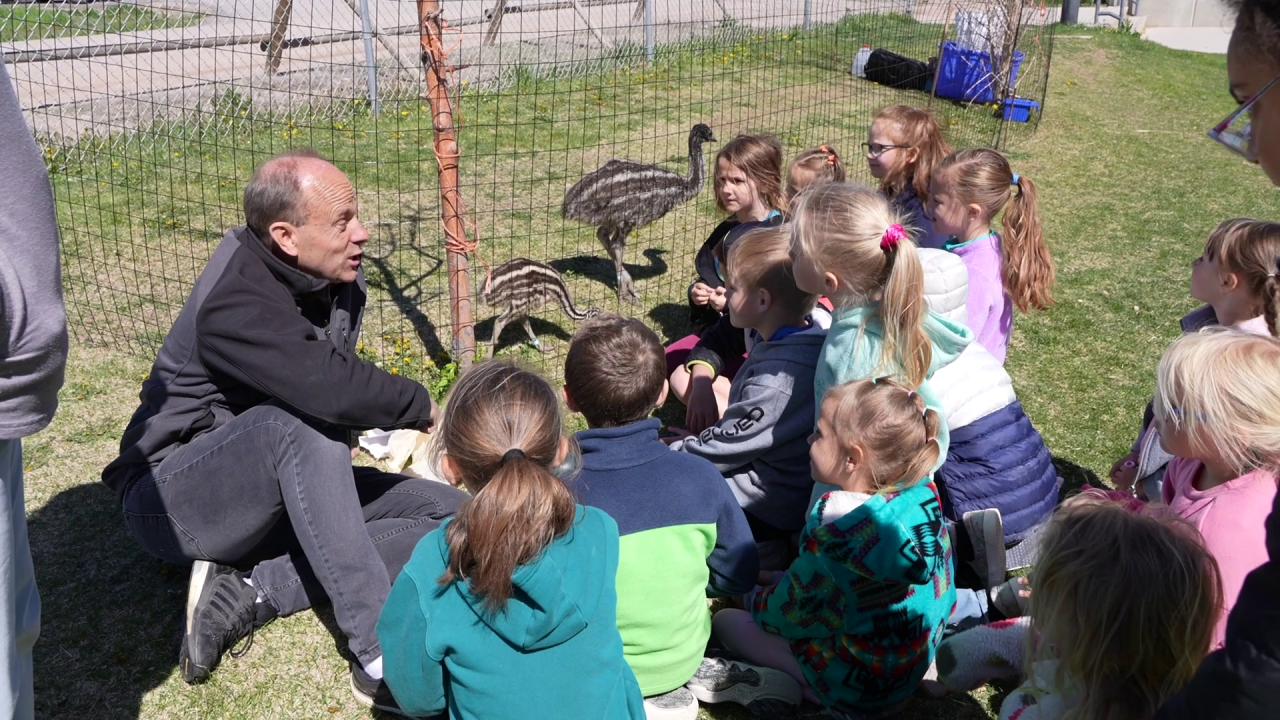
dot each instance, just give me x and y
(1242, 680)
(255, 330)
(703, 316)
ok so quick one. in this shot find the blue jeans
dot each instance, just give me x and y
(271, 493)
(19, 599)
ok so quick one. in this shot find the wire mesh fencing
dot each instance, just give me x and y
(153, 117)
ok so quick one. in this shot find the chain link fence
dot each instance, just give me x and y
(153, 116)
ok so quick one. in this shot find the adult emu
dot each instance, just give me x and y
(623, 196)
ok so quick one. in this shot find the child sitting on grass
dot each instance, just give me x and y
(702, 382)
(683, 535)
(854, 622)
(508, 609)
(759, 444)
(1013, 268)
(903, 146)
(1217, 410)
(1122, 611)
(1235, 278)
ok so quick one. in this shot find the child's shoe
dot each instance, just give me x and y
(986, 532)
(679, 704)
(762, 691)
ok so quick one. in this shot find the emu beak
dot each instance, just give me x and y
(713, 138)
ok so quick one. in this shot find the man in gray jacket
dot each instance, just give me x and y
(33, 354)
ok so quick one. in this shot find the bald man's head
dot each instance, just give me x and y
(274, 193)
(304, 209)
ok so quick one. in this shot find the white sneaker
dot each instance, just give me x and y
(679, 704)
(762, 691)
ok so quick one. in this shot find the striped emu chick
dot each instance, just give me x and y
(622, 196)
(523, 287)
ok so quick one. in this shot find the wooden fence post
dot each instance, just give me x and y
(457, 246)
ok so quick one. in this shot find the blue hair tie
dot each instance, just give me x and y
(1016, 178)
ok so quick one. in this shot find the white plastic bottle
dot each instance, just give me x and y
(860, 61)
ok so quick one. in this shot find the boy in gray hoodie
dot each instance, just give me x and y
(761, 443)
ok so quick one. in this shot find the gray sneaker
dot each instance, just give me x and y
(679, 704)
(986, 532)
(762, 691)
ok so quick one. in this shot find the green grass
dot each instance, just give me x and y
(37, 22)
(1129, 185)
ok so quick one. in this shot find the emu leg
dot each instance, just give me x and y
(499, 323)
(616, 249)
(533, 339)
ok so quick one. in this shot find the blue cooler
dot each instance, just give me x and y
(1019, 109)
(968, 75)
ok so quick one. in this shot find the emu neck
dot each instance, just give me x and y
(696, 170)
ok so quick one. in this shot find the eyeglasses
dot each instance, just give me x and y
(876, 149)
(1237, 136)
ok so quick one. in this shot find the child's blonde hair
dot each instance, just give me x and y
(897, 432)
(915, 129)
(813, 166)
(1125, 602)
(760, 158)
(982, 177)
(854, 233)
(1250, 249)
(761, 259)
(502, 430)
(1222, 387)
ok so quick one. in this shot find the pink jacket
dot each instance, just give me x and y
(1231, 519)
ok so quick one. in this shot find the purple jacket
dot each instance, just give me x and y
(989, 307)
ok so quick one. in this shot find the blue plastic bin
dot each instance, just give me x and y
(967, 74)
(1019, 109)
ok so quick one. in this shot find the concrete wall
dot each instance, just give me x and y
(1186, 13)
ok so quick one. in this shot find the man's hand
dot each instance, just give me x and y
(718, 299)
(703, 411)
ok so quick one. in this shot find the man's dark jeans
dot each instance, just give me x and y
(269, 492)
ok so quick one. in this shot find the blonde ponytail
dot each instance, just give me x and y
(895, 429)
(854, 233)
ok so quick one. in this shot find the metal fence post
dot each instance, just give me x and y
(808, 13)
(648, 30)
(370, 60)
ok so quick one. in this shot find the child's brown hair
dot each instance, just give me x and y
(760, 158)
(615, 370)
(1250, 249)
(982, 177)
(915, 129)
(898, 433)
(852, 232)
(761, 259)
(502, 431)
(1127, 628)
(813, 166)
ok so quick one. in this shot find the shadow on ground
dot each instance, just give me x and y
(111, 615)
(601, 268)
(1074, 477)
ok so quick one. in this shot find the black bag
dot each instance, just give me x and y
(897, 71)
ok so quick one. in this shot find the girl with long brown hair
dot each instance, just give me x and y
(509, 610)
(904, 145)
(1012, 268)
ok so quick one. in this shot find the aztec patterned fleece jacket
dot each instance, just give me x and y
(865, 604)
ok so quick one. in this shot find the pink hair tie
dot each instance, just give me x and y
(893, 235)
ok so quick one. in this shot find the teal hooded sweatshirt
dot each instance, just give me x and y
(553, 652)
(852, 352)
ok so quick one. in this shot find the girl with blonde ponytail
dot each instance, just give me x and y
(501, 608)
(969, 188)
(849, 244)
